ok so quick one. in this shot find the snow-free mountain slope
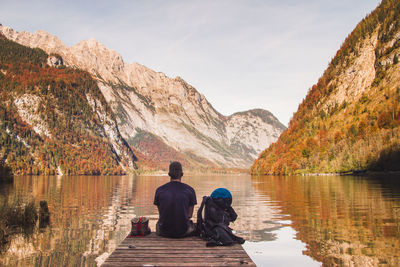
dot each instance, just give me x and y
(349, 120)
(169, 109)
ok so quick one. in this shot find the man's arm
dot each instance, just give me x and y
(190, 211)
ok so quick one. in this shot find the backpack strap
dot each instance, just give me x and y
(200, 221)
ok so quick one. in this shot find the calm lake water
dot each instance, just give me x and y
(287, 221)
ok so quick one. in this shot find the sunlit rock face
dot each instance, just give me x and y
(350, 119)
(169, 110)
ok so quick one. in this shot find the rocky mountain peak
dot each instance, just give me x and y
(97, 59)
(41, 38)
(151, 106)
(265, 115)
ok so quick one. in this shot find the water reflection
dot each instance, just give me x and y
(346, 221)
(333, 220)
(87, 217)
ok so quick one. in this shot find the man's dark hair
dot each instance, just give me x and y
(175, 170)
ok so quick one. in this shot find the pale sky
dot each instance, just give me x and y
(240, 54)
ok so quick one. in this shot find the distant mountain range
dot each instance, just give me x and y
(70, 102)
(349, 120)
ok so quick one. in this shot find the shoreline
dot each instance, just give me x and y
(349, 173)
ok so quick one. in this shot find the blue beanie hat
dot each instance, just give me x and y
(221, 193)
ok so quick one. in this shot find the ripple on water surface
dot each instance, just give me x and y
(287, 221)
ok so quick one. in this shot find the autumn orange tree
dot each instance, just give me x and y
(351, 135)
(75, 138)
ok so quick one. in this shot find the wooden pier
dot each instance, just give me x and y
(153, 250)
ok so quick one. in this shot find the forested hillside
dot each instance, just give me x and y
(163, 118)
(55, 119)
(350, 119)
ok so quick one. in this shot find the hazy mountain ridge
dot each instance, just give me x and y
(350, 119)
(170, 109)
(256, 127)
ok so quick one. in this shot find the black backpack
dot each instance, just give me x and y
(214, 228)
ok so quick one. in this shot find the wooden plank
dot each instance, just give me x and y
(178, 248)
(204, 249)
(157, 260)
(205, 264)
(142, 241)
(153, 250)
(167, 255)
(163, 245)
(191, 257)
(197, 246)
(217, 262)
(188, 252)
(158, 238)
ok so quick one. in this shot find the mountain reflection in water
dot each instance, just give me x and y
(330, 220)
(344, 221)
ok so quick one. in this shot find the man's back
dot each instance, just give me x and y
(174, 200)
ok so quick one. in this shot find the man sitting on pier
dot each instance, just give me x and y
(175, 201)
